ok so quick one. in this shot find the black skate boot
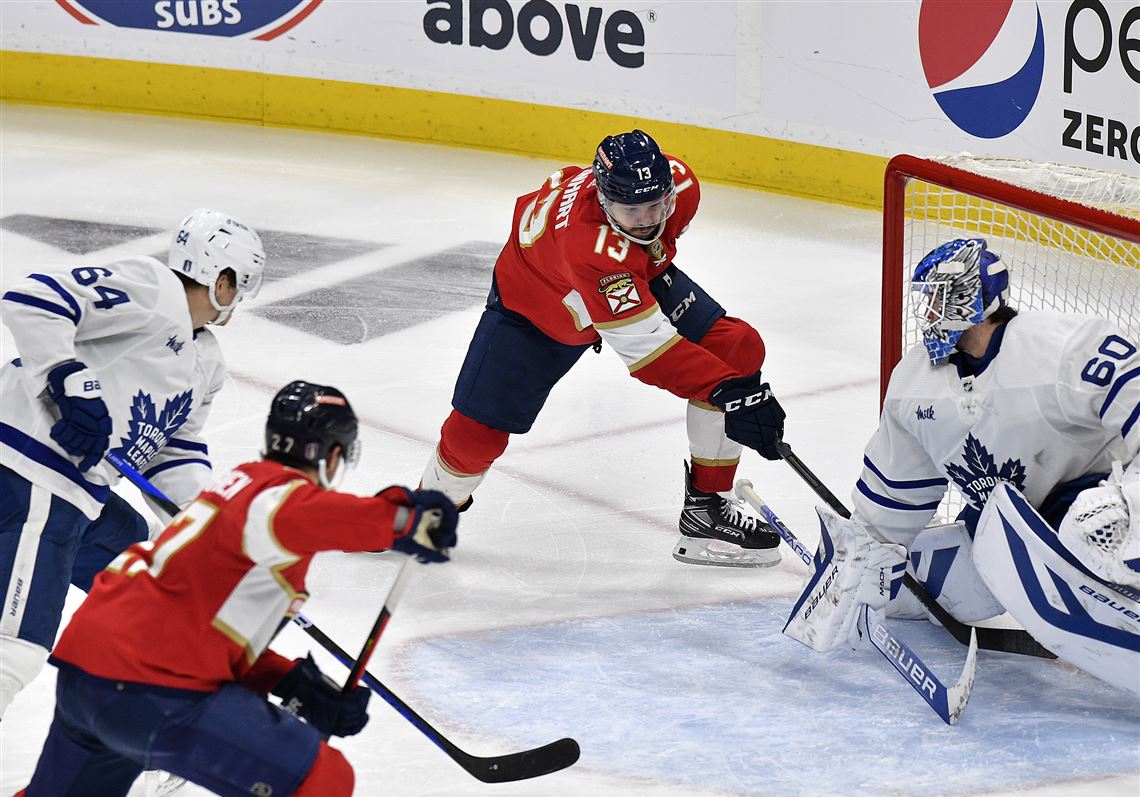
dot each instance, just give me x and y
(717, 532)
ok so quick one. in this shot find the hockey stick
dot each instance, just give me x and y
(1005, 640)
(947, 702)
(489, 769)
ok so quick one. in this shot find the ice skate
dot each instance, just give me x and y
(717, 531)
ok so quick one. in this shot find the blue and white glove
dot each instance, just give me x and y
(84, 427)
(426, 526)
(852, 569)
(752, 416)
(306, 692)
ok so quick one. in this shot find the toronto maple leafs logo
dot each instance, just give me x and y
(149, 429)
(981, 475)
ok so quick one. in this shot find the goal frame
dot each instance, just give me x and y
(903, 168)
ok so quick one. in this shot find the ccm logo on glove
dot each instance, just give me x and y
(748, 401)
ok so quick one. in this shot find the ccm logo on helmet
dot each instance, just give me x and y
(747, 401)
(540, 26)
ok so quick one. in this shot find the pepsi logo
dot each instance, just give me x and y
(256, 19)
(983, 60)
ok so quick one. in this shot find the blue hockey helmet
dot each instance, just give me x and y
(957, 285)
(635, 185)
(306, 422)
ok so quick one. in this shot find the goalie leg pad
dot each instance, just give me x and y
(940, 560)
(852, 569)
(1086, 621)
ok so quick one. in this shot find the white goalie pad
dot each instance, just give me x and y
(940, 560)
(1086, 621)
(852, 569)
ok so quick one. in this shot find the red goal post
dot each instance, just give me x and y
(1070, 235)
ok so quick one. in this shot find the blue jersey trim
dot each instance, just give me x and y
(40, 304)
(187, 445)
(1127, 376)
(37, 452)
(175, 463)
(61, 292)
(1128, 424)
(890, 503)
(917, 484)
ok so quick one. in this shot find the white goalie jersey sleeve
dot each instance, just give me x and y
(1098, 388)
(900, 486)
(129, 322)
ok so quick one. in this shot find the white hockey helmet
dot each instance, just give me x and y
(206, 243)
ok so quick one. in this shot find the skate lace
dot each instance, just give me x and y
(731, 512)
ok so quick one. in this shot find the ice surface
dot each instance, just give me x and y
(563, 612)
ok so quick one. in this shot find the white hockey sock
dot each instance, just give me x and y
(20, 663)
(456, 486)
(707, 441)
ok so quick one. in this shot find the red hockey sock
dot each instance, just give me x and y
(713, 478)
(468, 447)
(330, 776)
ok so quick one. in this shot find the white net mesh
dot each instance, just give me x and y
(1053, 264)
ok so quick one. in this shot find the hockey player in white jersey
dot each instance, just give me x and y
(111, 358)
(1035, 417)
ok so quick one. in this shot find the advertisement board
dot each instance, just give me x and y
(778, 80)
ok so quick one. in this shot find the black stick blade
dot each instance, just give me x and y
(521, 766)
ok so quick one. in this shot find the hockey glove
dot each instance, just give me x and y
(1102, 527)
(852, 569)
(428, 530)
(752, 416)
(84, 427)
(306, 692)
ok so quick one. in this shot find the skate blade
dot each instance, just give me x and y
(697, 551)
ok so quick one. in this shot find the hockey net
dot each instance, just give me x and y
(1069, 235)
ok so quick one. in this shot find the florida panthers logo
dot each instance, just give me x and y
(150, 429)
(620, 291)
(981, 474)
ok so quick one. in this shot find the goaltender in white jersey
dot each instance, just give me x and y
(111, 358)
(1035, 418)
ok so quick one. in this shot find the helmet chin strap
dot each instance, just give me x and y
(224, 310)
(323, 475)
(643, 241)
(660, 228)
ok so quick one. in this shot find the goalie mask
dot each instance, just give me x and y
(956, 286)
(208, 242)
(306, 422)
(635, 185)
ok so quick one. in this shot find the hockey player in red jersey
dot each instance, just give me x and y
(166, 664)
(590, 260)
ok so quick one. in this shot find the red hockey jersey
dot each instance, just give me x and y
(198, 606)
(575, 278)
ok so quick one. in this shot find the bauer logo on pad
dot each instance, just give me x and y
(254, 19)
(620, 291)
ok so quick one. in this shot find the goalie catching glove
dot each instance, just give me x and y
(425, 524)
(852, 568)
(1102, 527)
(752, 416)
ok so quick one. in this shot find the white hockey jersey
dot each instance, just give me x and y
(1060, 400)
(129, 322)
